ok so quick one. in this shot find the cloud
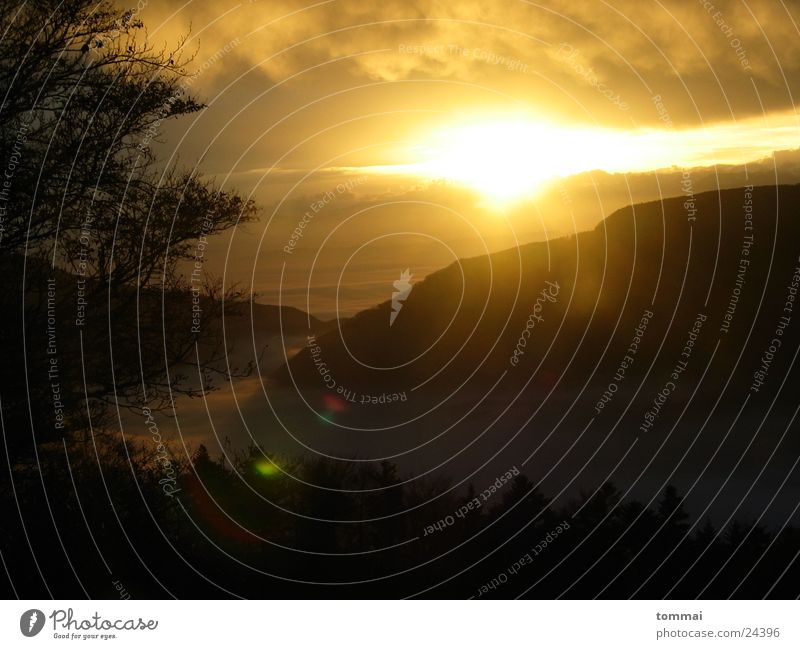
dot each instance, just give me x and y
(707, 56)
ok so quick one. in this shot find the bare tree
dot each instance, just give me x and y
(94, 229)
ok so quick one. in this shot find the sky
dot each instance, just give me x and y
(408, 134)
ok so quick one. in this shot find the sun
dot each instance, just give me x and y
(508, 158)
(503, 160)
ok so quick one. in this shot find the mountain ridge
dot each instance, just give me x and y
(606, 276)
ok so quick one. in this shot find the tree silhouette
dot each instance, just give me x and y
(94, 228)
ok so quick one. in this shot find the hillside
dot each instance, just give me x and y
(657, 349)
(468, 317)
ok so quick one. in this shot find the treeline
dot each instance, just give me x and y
(245, 525)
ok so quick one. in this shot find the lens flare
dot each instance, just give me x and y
(334, 403)
(266, 468)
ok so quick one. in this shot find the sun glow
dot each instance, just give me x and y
(506, 159)
(502, 160)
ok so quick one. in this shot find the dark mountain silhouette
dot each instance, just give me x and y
(679, 279)
(468, 317)
(268, 318)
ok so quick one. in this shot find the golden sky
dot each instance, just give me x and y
(397, 68)
(495, 98)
